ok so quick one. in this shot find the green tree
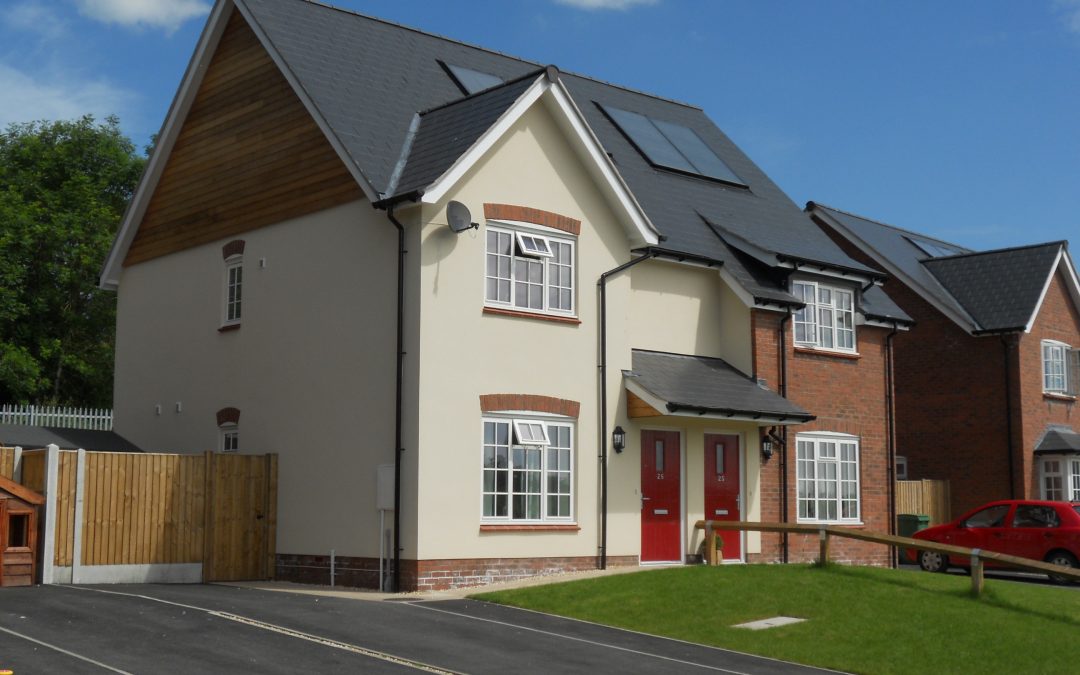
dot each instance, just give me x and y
(63, 189)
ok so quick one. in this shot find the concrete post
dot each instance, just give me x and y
(48, 539)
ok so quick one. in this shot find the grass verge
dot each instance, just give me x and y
(859, 619)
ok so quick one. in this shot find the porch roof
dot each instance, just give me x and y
(1059, 441)
(700, 386)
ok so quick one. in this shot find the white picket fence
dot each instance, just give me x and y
(98, 419)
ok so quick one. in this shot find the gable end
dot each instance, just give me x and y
(248, 155)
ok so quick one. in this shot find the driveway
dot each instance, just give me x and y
(223, 629)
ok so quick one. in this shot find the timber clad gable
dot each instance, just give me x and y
(248, 155)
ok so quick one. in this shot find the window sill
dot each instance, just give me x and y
(1053, 396)
(832, 523)
(532, 315)
(513, 527)
(817, 351)
(229, 327)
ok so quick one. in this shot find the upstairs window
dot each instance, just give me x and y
(233, 253)
(828, 319)
(1061, 368)
(529, 271)
(230, 438)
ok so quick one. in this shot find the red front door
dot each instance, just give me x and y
(722, 495)
(661, 515)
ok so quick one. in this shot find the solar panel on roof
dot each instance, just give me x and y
(670, 145)
(471, 81)
(934, 249)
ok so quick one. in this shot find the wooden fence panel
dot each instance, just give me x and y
(926, 497)
(7, 462)
(240, 517)
(65, 508)
(33, 469)
(143, 509)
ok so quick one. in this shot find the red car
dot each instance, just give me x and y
(1047, 531)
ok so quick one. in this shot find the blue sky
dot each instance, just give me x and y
(960, 119)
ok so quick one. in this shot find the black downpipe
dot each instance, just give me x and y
(784, 438)
(398, 450)
(890, 440)
(1008, 418)
(602, 284)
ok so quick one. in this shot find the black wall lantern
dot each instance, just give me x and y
(769, 442)
(618, 439)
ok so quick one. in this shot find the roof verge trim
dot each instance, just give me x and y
(548, 85)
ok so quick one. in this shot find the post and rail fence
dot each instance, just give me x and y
(64, 417)
(824, 532)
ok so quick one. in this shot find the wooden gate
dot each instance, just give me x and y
(927, 497)
(241, 527)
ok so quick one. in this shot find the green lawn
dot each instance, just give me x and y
(859, 619)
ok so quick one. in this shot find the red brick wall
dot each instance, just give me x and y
(1059, 320)
(848, 395)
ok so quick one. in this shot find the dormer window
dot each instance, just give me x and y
(828, 319)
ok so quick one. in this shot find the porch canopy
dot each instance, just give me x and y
(1059, 441)
(700, 386)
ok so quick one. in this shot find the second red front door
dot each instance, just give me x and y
(723, 498)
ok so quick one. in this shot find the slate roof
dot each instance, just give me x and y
(446, 132)
(989, 291)
(369, 78)
(30, 437)
(1059, 440)
(999, 289)
(876, 304)
(702, 384)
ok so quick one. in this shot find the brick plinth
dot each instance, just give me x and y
(433, 575)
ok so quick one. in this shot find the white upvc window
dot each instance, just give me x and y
(1060, 478)
(229, 438)
(529, 271)
(828, 319)
(1057, 358)
(524, 480)
(234, 283)
(828, 478)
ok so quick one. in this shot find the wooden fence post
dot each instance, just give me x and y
(16, 467)
(976, 573)
(823, 553)
(710, 546)
(52, 503)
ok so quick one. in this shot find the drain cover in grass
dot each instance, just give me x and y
(770, 623)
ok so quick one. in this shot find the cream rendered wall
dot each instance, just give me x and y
(311, 368)
(688, 310)
(465, 353)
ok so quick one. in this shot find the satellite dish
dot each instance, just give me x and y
(459, 218)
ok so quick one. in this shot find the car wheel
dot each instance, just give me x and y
(933, 562)
(1063, 559)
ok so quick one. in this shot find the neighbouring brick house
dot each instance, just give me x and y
(987, 381)
(640, 331)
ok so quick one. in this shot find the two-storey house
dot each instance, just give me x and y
(987, 381)
(572, 318)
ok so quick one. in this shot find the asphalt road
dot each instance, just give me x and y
(221, 629)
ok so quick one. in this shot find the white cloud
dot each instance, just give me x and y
(166, 14)
(1070, 14)
(606, 4)
(28, 98)
(34, 17)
